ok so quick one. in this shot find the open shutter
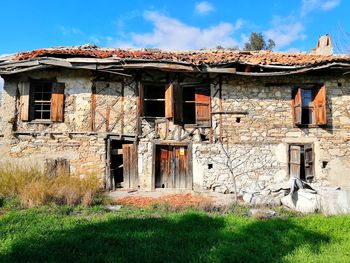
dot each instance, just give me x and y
(141, 98)
(297, 110)
(202, 106)
(320, 106)
(294, 161)
(130, 166)
(169, 101)
(24, 89)
(178, 104)
(57, 102)
(308, 156)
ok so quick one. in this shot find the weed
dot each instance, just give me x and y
(33, 188)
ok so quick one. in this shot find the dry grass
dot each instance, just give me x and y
(34, 188)
(174, 202)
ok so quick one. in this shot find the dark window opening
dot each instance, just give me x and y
(154, 101)
(189, 105)
(324, 164)
(238, 119)
(210, 166)
(41, 92)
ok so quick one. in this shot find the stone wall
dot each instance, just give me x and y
(256, 131)
(72, 139)
(262, 125)
(86, 154)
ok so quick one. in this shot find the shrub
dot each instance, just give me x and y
(33, 188)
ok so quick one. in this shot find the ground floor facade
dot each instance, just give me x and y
(125, 162)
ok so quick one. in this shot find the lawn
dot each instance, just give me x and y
(65, 234)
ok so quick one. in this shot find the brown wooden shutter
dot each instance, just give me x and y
(178, 104)
(320, 106)
(203, 106)
(141, 98)
(57, 102)
(294, 161)
(169, 106)
(130, 166)
(308, 157)
(297, 107)
(24, 90)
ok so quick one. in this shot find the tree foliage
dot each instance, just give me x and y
(257, 42)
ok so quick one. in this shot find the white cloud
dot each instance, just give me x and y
(170, 33)
(70, 31)
(204, 8)
(285, 31)
(324, 5)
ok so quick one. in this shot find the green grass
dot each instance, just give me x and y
(66, 234)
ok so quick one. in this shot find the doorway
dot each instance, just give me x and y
(172, 167)
(123, 165)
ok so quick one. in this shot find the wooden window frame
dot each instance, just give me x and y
(198, 89)
(143, 86)
(28, 101)
(306, 146)
(34, 102)
(319, 103)
(173, 102)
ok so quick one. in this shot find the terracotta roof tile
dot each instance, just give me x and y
(191, 57)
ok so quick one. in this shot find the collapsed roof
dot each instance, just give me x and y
(256, 63)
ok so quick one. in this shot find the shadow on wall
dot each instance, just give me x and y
(186, 238)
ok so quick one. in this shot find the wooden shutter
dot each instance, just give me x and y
(308, 157)
(203, 106)
(141, 98)
(297, 107)
(130, 166)
(169, 106)
(24, 90)
(294, 161)
(178, 104)
(57, 102)
(320, 106)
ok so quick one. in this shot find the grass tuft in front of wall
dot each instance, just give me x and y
(33, 188)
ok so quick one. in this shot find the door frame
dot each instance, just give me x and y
(109, 182)
(171, 143)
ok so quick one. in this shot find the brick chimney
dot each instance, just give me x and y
(324, 46)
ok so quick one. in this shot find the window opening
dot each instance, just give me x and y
(41, 103)
(154, 100)
(189, 105)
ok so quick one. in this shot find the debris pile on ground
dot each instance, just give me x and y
(173, 200)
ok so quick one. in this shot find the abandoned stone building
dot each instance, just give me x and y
(212, 119)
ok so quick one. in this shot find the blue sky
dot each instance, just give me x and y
(293, 24)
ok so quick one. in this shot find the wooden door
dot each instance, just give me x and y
(163, 173)
(172, 167)
(181, 176)
(130, 177)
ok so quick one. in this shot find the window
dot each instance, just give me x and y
(301, 163)
(41, 100)
(309, 105)
(153, 100)
(184, 104)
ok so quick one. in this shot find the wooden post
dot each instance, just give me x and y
(220, 109)
(93, 107)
